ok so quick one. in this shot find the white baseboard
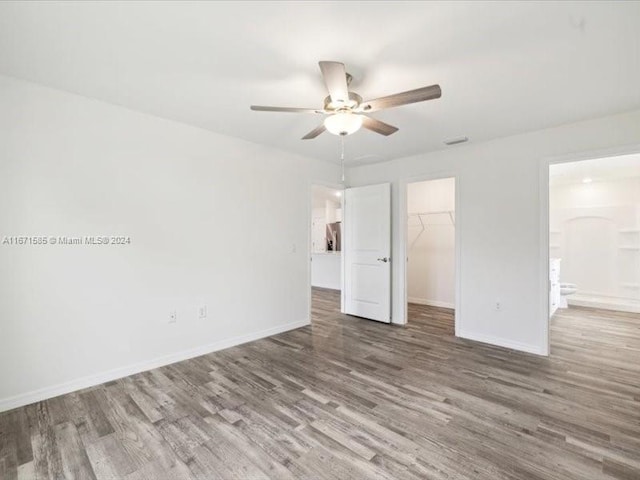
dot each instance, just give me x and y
(501, 342)
(606, 304)
(327, 286)
(431, 303)
(96, 379)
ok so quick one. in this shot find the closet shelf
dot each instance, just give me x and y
(629, 230)
(629, 247)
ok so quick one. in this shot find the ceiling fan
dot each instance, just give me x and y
(346, 110)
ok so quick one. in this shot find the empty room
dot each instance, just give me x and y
(319, 240)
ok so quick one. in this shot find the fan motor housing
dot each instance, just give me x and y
(354, 101)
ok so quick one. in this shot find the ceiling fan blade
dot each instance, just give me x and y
(260, 108)
(314, 133)
(378, 126)
(404, 98)
(335, 78)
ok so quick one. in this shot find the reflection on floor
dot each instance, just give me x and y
(347, 398)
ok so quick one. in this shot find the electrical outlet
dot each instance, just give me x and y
(202, 311)
(498, 305)
(173, 316)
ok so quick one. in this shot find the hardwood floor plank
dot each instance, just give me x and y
(110, 459)
(26, 471)
(98, 419)
(75, 463)
(156, 471)
(9, 445)
(344, 440)
(46, 453)
(620, 470)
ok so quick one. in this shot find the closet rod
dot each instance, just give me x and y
(439, 212)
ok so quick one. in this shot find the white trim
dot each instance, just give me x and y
(501, 342)
(606, 304)
(401, 317)
(543, 201)
(431, 303)
(96, 379)
(543, 267)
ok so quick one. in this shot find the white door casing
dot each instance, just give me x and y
(367, 252)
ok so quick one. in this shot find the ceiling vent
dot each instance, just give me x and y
(456, 141)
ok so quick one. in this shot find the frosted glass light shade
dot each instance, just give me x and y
(343, 123)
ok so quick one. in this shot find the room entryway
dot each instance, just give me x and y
(431, 253)
(326, 242)
(594, 255)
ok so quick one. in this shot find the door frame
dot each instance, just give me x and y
(404, 238)
(545, 164)
(335, 186)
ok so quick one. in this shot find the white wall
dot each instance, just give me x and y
(333, 212)
(599, 193)
(212, 219)
(431, 257)
(595, 230)
(326, 270)
(318, 230)
(499, 217)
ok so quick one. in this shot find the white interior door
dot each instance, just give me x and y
(367, 252)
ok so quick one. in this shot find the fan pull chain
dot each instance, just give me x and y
(342, 156)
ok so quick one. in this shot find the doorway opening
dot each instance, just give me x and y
(431, 254)
(326, 250)
(594, 254)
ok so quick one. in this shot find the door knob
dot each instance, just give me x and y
(384, 259)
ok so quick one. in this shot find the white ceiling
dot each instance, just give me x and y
(600, 169)
(504, 67)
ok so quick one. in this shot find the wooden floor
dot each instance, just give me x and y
(353, 399)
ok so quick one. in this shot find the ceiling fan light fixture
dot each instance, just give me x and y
(343, 123)
(344, 109)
